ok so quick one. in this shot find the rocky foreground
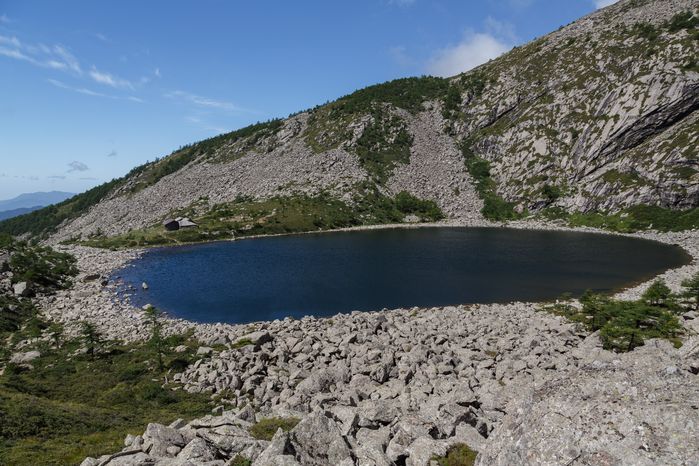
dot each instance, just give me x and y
(517, 385)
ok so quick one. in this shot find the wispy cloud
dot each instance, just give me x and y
(401, 2)
(603, 3)
(80, 90)
(4, 19)
(157, 73)
(56, 177)
(90, 92)
(76, 166)
(113, 153)
(102, 37)
(204, 101)
(56, 57)
(110, 80)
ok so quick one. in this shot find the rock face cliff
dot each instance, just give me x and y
(600, 115)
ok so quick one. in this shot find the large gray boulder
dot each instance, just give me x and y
(24, 358)
(638, 409)
(22, 289)
(317, 441)
(162, 441)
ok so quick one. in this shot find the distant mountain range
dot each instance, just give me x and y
(29, 202)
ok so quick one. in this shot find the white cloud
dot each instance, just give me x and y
(401, 2)
(4, 19)
(203, 101)
(80, 90)
(157, 73)
(56, 57)
(90, 92)
(110, 80)
(475, 49)
(603, 3)
(76, 166)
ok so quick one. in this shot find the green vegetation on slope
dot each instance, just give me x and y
(631, 219)
(73, 405)
(279, 215)
(625, 325)
(383, 144)
(82, 394)
(494, 206)
(406, 93)
(39, 265)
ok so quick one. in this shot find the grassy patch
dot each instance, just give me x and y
(632, 219)
(292, 214)
(458, 455)
(240, 460)
(68, 407)
(266, 428)
(241, 343)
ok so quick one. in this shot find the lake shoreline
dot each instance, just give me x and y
(119, 319)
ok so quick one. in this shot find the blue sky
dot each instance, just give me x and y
(90, 89)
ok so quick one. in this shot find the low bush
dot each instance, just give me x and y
(494, 206)
(625, 325)
(458, 455)
(266, 428)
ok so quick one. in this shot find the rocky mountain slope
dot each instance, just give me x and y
(600, 115)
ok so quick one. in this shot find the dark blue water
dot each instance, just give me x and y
(323, 274)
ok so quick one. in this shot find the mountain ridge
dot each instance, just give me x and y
(597, 119)
(31, 200)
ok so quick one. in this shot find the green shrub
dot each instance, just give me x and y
(408, 204)
(458, 455)
(683, 20)
(646, 31)
(623, 325)
(241, 343)
(42, 266)
(266, 428)
(494, 207)
(240, 460)
(657, 294)
(692, 289)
